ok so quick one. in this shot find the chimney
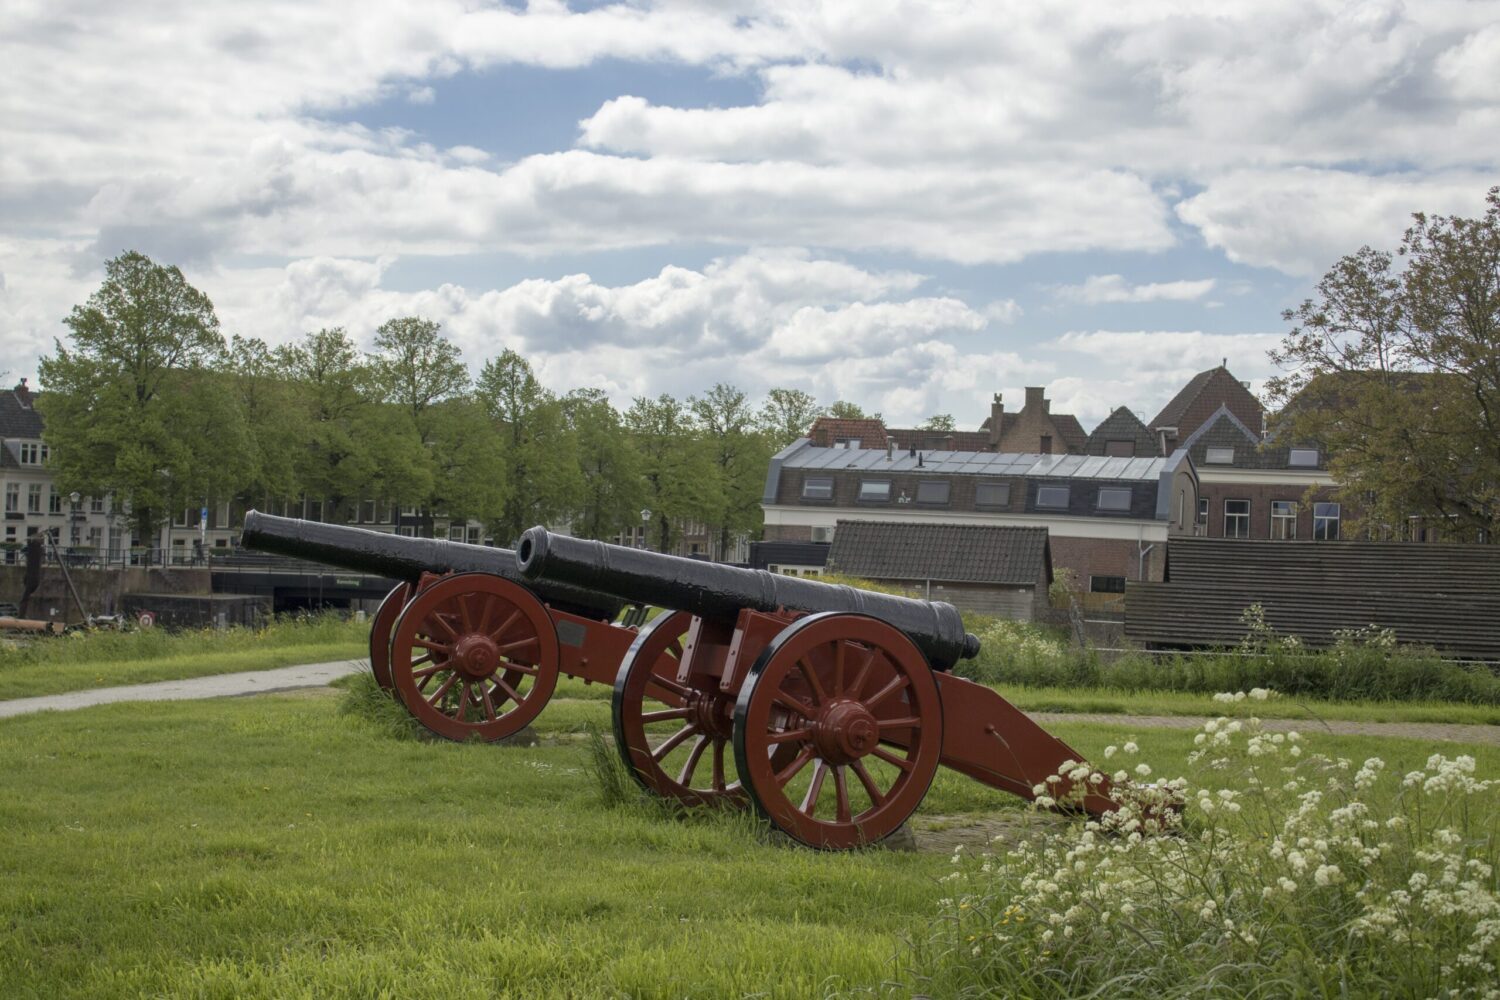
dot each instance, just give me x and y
(997, 421)
(890, 447)
(1035, 396)
(23, 395)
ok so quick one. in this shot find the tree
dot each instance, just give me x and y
(540, 457)
(612, 492)
(725, 423)
(786, 415)
(268, 399)
(845, 410)
(416, 367)
(133, 406)
(939, 422)
(678, 473)
(1395, 370)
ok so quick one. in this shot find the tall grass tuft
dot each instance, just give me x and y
(616, 787)
(367, 701)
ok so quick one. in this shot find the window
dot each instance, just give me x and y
(1046, 448)
(1107, 584)
(12, 498)
(1306, 457)
(846, 443)
(1119, 449)
(34, 498)
(1326, 522)
(1114, 499)
(823, 534)
(875, 490)
(407, 531)
(367, 511)
(1283, 519)
(817, 488)
(456, 533)
(992, 494)
(33, 454)
(1203, 511)
(54, 501)
(96, 505)
(1236, 518)
(1052, 496)
(933, 491)
(1219, 456)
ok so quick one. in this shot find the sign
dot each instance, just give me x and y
(346, 581)
(146, 619)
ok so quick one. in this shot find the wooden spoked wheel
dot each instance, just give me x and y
(380, 633)
(858, 703)
(474, 655)
(673, 736)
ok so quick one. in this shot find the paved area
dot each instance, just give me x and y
(1406, 730)
(306, 675)
(312, 675)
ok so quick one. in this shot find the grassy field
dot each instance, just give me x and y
(107, 659)
(276, 847)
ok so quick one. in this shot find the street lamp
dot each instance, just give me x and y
(75, 517)
(645, 520)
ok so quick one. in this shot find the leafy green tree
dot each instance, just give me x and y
(1395, 370)
(416, 367)
(133, 405)
(612, 486)
(540, 456)
(468, 461)
(939, 422)
(724, 422)
(786, 415)
(268, 400)
(681, 484)
(845, 410)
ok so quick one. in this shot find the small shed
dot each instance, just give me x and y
(997, 570)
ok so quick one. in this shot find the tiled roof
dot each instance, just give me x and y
(1072, 432)
(1225, 430)
(868, 431)
(18, 420)
(1172, 412)
(917, 437)
(979, 463)
(952, 553)
(1122, 425)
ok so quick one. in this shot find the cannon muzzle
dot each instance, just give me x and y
(399, 558)
(718, 592)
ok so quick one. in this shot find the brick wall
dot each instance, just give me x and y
(1260, 497)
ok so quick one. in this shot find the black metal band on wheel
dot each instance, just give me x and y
(474, 655)
(673, 736)
(854, 703)
(380, 632)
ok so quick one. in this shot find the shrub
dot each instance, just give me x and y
(1283, 873)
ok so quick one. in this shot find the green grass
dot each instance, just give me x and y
(106, 659)
(278, 847)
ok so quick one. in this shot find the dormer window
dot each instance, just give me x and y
(33, 453)
(875, 491)
(1306, 458)
(817, 488)
(1219, 456)
(1114, 498)
(932, 492)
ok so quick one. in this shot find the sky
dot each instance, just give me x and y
(908, 205)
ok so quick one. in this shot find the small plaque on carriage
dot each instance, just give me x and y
(571, 633)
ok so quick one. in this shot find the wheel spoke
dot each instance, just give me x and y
(424, 658)
(443, 621)
(432, 646)
(676, 650)
(495, 635)
(428, 671)
(896, 684)
(877, 797)
(672, 742)
(719, 784)
(686, 777)
(910, 722)
(665, 714)
(891, 758)
(486, 613)
(510, 692)
(463, 702)
(518, 644)
(838, 668)
(814, 789)
(788, 736)
(793, 704)
(789, 772)
(489, 704)
(442, 690)
(671, 685)
(462, 600)
(856, 688)
(811, 676)
(841, 791)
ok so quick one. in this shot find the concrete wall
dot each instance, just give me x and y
(101, 590)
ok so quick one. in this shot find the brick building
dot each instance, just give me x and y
(1198, 401)
(1108, 519)
(1033, 429)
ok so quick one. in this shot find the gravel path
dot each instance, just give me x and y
(306, 675)
(311, 675)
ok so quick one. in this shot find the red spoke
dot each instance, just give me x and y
(486, 613)
(793, 704)
(858, 686)
(442, 690)
(462, 600)
(431, 646)
(672, 742)
(841, 791)
(665, 714)
(429, 671)
(676, 650)
(495, 635)
(891, 758)
(896, 684)
(463, 702)
(787, 737)
(670, 686)
(910, 722)
(814, 789)
(789, 772)
(811, 676)
(424, 658)
(529, 640)
(685, 778)
(510, 692)
(489, 704)
(838, 667)
(719, 785)
(443, 621)
(877, 797)
(422, 686)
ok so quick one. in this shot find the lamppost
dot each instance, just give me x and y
(645, 522)
(75, 518)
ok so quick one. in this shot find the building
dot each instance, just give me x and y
(993, 569)
(1122, 435)
(1032, 429)
(1107, 519)
(1197, 403)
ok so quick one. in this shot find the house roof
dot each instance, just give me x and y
(18, 418)
(1071, 431)
(1177, 406)
(869, 431)
(920, 438)
(803, 455)
(951, 553)
(1442, 595)
(1225, 430)
(1122, 425)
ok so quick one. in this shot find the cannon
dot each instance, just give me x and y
(469, 646)
(810, 685)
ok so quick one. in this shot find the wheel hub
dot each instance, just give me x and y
(712, 713)
(845, 731)
(476, 655)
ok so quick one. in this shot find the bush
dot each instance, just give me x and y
(1284, 873)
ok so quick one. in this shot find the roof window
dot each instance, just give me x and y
(875, 490)
(1114, 498)
(817, 488)
(1052, 496)
(1219, 456)
(1303, 457)
(933, 491)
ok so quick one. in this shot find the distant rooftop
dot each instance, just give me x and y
(976, 463)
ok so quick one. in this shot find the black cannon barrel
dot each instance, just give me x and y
(399, 558)
(716, 591)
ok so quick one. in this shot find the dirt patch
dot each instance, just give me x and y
(941, 834)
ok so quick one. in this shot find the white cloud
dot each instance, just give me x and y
(1102, 288)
